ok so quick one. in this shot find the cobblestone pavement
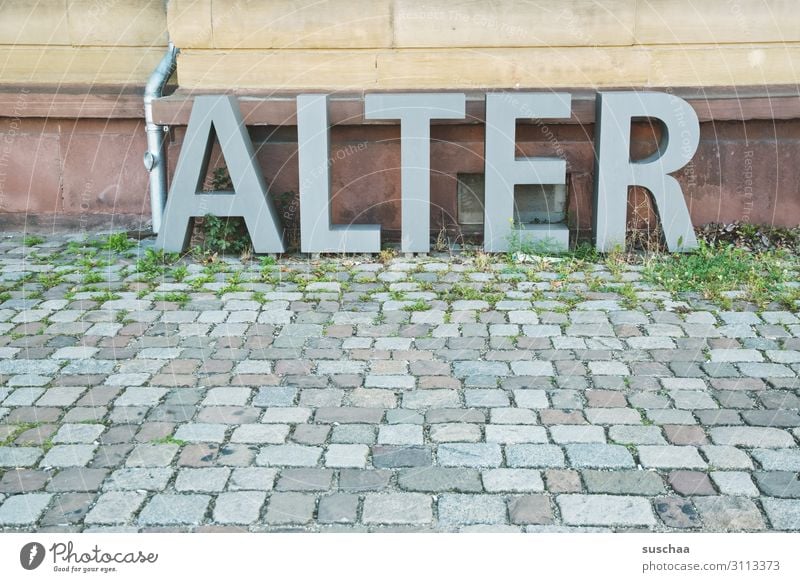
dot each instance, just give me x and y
(429, 393)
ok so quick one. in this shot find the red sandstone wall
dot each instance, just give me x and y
(72, 173)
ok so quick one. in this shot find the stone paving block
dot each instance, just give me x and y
(400, 434)
(685, 435)
(691, 483)
(23, 481)
(778, 483)
(773, 418)
(530, 509)
(115, 508)
(783, 514)
(692, 400)
(170, 509)
(605, 510)
(140, 396)
(11, 457)
(206, 479)
(729, 514)
(23, 396)
(24, 509)
(613, 416)
(439, 479)
(751, 436)
(348, 415)
(289, 455)
(726, 457)
(735, 355)
(364, 480)
(734, 483)
(532, 368)
(275, 396)
(677, 512)
(352, 433)
(777, 459)
(152, 455)
(60, 396)
(252, 478)
(577, 434)
(197, 432)
(510, 433)
(500, 416)
(466, 369)
(77, 479)
(397, 509)
(531, 398)
(608, 368)
(595, 455)
(623, 482)
(667, 457)
(636, 435)
(78, 433)
(469, 455)
(512, 480)
(766, 370)
(347, 455)
(485, 398)
(389, 457)
(241, 507)
(455, 432)
(134, 479)
(66, 511)
(537, 456)
(338, 508)
(305, 480)
(260, 433)
(457, 510)
(68, 456)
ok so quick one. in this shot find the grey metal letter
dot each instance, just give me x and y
(504, 170)
(415, 111)
(249, 199)
(317, 234)
(615, 171)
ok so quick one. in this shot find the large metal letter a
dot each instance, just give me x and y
(615, 171)
(249, 199)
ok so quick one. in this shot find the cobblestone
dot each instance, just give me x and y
(328, 404)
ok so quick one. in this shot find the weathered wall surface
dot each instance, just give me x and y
(61, 42)
(435, 44)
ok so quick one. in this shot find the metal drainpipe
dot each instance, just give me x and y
(155, 158)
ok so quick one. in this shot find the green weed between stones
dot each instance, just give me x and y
(173, 297)
(714, 270)
(32, 241)
(418, 305)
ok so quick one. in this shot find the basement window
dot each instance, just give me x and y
(533, 203)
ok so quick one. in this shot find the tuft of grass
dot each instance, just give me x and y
(386, 256)
(172, 297)
(91, 277)
(50, 280)
(179, 273)
(154, 263)
(106, 295)
(118, 243)
(16, 430)
(32, 240)
(418, 305)
(713, 270)
(168, 440)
